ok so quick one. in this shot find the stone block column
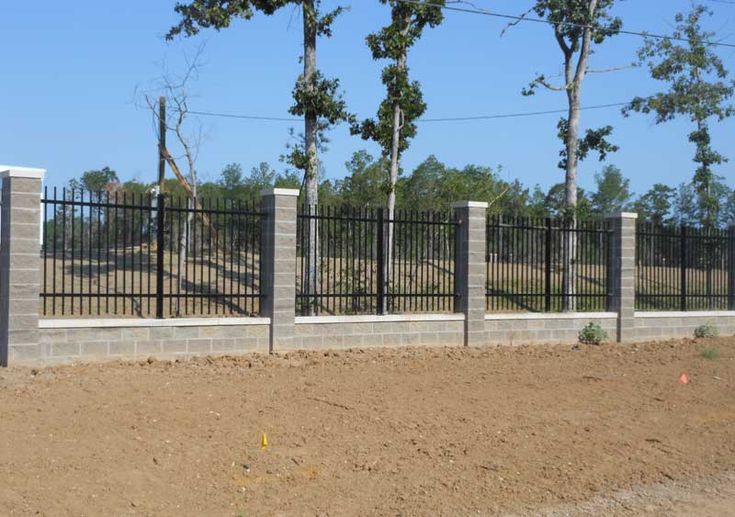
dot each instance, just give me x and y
(471, 269)
(279, 265)
(731, 268)
(20, 264)
(621, 280)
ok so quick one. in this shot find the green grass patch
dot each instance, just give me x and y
(709, 353)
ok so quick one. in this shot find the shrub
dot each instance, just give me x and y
(592, 334)
(709, 353)
(705, 331)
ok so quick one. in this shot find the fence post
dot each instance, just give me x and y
(381, 262)
(20, 263)
(547, 266)
(731, 268)
(278, 264)
(683, 268)
(471, 269)
(160, 249)
(621, 271)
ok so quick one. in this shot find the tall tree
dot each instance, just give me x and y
(613, 191)
(698, 90)
(578, 26)
(316, 98)
(365, 184)
(555, 203)
(395, 124)
(96, 181)
(656, 205)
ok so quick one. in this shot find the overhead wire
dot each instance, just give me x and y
(523, 18)
(484, 12)
(422, 120)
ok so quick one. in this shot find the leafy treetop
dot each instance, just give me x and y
(408, 21)
(698, 89)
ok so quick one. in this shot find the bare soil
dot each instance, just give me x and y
(556, 430)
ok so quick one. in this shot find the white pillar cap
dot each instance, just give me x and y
(11, 171)
(470, 204)
(623, 215)
(293, 192)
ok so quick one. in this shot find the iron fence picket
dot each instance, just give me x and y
(681, 268)
(363, 271)
(526, 261)
(140, 255)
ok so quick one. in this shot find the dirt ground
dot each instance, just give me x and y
(557, 430)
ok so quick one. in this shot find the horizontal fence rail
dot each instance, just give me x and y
(365, 263)
(679, 268)
(144, 255)
(546, 265)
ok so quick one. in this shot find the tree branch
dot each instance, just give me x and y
(585, 50)
(607, 70)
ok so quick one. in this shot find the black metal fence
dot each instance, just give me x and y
(546, 265)
(123, 254)
(681, 268)
(365, 263)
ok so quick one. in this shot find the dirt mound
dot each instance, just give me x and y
(406, 431)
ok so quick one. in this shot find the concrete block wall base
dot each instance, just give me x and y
(26, 340)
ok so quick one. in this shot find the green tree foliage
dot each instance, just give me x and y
(434, 185)
(395, 124)
(366, 183)
(288, 180)
(316, 98)
(698, 90)
(578, 26)
(555, 204)
(656, 206)
(687, 208)
(95, 180)
(137, 188)
(613, 191)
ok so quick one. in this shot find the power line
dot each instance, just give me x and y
(248, 117)
(518, 18)
(518, 115)
(423, 120)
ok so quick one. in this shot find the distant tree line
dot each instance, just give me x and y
(433, 185)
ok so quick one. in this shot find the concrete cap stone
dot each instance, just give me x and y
(292, 192)
(12, 171)
(470, 204)
(623, 215)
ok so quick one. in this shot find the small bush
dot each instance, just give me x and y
(592, 334)
(709, 353)
(705, 331)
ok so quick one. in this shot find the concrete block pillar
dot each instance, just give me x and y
(621, 272)
(731, 268)
(471, 270)
(279, 265)
(20, 263)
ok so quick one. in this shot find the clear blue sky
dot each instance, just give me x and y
(71, 69)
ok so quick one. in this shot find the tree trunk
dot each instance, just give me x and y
(394, 167)
(573, 81)
(184, 242)
(311, 180)
(569, 273)
(395, 159)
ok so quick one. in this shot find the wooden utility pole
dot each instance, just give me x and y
(161, 142)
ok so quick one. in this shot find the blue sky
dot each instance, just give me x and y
(71, 70)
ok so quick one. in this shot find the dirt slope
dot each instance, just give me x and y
(409, 432)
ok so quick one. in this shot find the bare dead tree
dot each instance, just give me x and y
(174, 89)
